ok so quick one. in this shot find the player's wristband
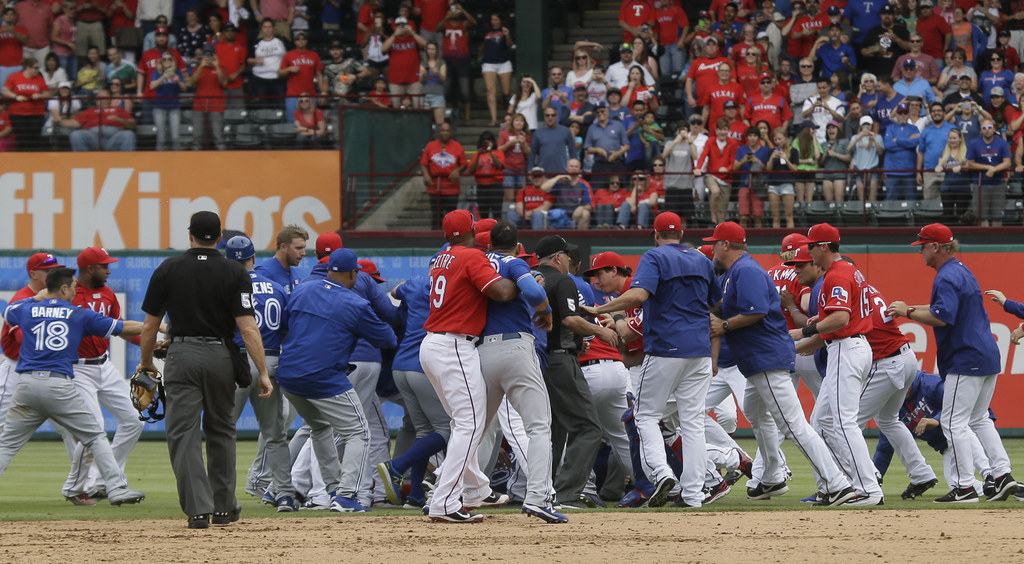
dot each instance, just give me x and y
(794, 310)
(618, 317)
(810, 330)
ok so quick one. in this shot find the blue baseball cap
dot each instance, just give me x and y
(343, 260)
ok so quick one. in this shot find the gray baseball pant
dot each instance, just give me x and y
(273, 459)
(341, 415)
(364, 379)
(574, 425)
(422, 405)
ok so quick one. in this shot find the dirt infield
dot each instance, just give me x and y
(988, 535)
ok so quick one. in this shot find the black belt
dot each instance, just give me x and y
(199, 340)
(269, 352)
(499, 337)
(857, 336)
(899, 351)
(469, 338)
(595, 361)
(562, 351)
(91, 361)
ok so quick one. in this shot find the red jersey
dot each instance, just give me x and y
(309, 64)
(718, 8)
(606, 196)
(231, 57)
(801, 47)
(150, 61)
(21, 85)
(785, 279)
(600, 350)
(515, 156)
(671, 21)
(440, 161)
(301, 119)
(489, 167)
(641, 93)
(738, 132)
(749, 78)
(715, 97)
(95, 117)
(366, 18)
(739, 51)
(431, 13)
(120, 17)
(10, 336)
(655, 185)
(533, 197)
(455, 45)
(704, 73)
(103, 301)
(209, 93)
(11, 47)
(885, 336)
(845, 289)
(636, 13)
(458, 283)
(382, 98)
(636, 321)
(774, 109)
(933, 31)
(404, 67)
(715, 158)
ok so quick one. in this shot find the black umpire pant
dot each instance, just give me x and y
(574, 425)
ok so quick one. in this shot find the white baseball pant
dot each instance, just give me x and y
(608, 381)
(807, 371)
(965, 401)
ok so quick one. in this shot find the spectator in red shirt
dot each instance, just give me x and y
(102, 128)
(743, 8)
(441, 165)
(121, 14)
(37, 17)
(304, 71)
(379, 96)
(89, 26)
(12, 40)
(633, 14)
(28, 91)
(767, 105)
(310, 125)
(431, 12)
(487, 167)
(703, 72)
(934, 31)
(514, 142)
(716, 161)
(208, 103)
(532, 203)
(62, 39)
(6, 130)
(282, 12)
(608, 204)
(365, 19)
(231, 58)
(404, 71)
(149, 63)
(715, 96)
(673, 25)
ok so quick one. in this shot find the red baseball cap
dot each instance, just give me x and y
(483, 238)
(484, 225)
(41, 261)
(162, 30)
(822, 233)
(457, 223)
(792, 242)
(94, 255)
(370, 268)
(667, 221)
(802, 255)
(765, 75)
(708, 251)
(327, 243)
(530, 258)
(934, 233)
(728, 231)
(607, 259)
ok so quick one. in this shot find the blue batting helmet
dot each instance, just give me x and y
(239, 247)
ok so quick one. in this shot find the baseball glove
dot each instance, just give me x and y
(147, 388)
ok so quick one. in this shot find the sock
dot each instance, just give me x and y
(422, 449)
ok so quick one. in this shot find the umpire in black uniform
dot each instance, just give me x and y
(574, 421)
(204, 296)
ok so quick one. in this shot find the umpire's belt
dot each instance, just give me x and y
(198, 340)
(497, 338)
(899, 351)
(92, 361)
(592, 362)
(857, 336)
(470, 338)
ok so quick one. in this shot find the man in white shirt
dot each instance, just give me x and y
(823, 108)
(618, 73)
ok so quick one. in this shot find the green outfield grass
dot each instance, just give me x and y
(30, 488)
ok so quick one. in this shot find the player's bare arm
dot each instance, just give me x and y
(150, 327)
(718, 325)
(630, 298)
(581, 326)
(921, 313)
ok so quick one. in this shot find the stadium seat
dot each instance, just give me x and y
(186, 135)
(856, 212)
(186, 116)
(1014, 212)
(235, 116)
(819, 211)
(927, 211)
(145, 137)
(281, 135)
(894, 212)
(247, 136)
(266, 115)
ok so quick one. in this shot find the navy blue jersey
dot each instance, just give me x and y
(324, 320)
(287, 278)
(1014, 307)
(820, 355)
(683, 286)
(748, 290)
(725, 357)
(368, 289)
(51, 331)
(516, 315)
(415, 296)
(269, 301)
(965, 345)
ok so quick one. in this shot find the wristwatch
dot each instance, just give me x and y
(725, 326)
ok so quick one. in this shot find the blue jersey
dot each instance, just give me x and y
(820, 355)
(368, 289)
(683, 288)
(883, 111)
(286, 278)
(725, 357)
(415, 296)
(748, 290)
(517, 315)
(324, 320)
(269, 301)
(863, 15)
(1015, 308)
(989, 153)
(965, 345)
(762, 154)
(52, 330)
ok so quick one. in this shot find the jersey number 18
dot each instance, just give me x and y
(51, 336)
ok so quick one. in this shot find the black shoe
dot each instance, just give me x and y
(199, 521)
(680, 503)
(716, 492)
(661, 490)
(460, 516)
(959, 495)
(227, 518)
(1002, 488)
(836, 498)
(914, 490)
(766, 491)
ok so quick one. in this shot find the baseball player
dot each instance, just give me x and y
(968, 359)
(97, 380)
(45, 376)
(324, 319)
(1010, 306)
(796, 313)
(432, 423)
(677, 286)
(751, 320)
(844, 320)
(269, 302)
(461, 280)
(38, 265)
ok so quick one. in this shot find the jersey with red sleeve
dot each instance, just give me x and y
(785, 279)
(704, 73)
(10, 336)
(636, 13)
(715, 97)
(845, 289)
(885, 337)
(774, 109)
(458, 280)
(635, 315)
(103, 301)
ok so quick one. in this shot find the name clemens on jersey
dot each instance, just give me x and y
(262, 288)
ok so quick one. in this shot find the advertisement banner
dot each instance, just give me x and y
(144, 200)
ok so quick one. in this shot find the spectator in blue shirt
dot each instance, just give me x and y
(901, 142)
(607, 141)
(988, 157)
(932, 142)
(551, 144)
(913, 85)
(997, 77)
(751, 157)
(572, 194)
(887, 101)
(558, 93)
(833, 53)
(863, 15)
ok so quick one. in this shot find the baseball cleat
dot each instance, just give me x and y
(460, 516)
(865, 501)
(633, 498)
(228, 517)
(286, 504)
(661, 490)
(835, 498)
(199, 521)
(309, 505)
(268, 498)
(125, 495)
(1019, 496)
(392, 482)
(593, 501)
(548, 513)
(494, 500)
(680, 503)
(766, 491)
(914, 490)
(959, 495)
(813, 497)
(413, 503)
(81, 499)
(746, 464)
(347, 505)
(716, 492)
(999, 489)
